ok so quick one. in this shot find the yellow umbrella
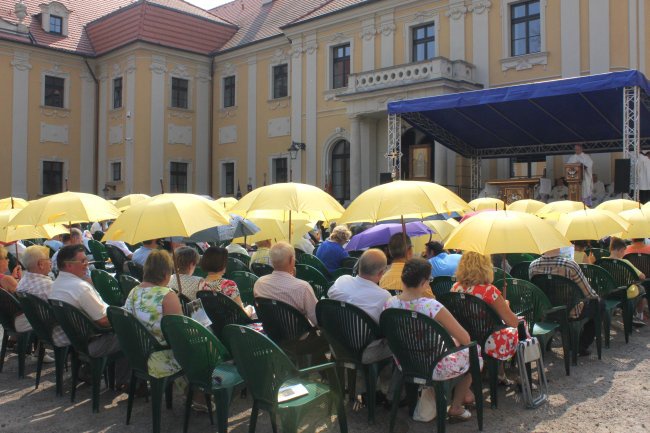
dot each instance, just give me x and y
(13, 203)
(166, 215)
(276, 230)
(129, 200)
(590, 224)
(486, 203)
(66, 208)
(528, 206)
(226, 203)
(618, 205)
(14, 233)
(639, 223)
(503, 232)
(441, 228)
(557, 208)
(402, 199)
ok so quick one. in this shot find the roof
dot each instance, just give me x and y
(328, 8)
(84, 12)
(543, 117)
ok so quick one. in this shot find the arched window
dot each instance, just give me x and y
(341, 171)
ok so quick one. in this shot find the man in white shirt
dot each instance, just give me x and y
(236, 248)
(599, 193)
(140, 255)
(75, 237)
(643, 176)
(122, 247)
(587, 171)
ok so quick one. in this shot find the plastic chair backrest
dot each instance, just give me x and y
(127, 283)
(599, 252)
(281, 321)
(135, 269)
(117, 257)
(349, 329)
(78, 327)
(315, 262)
(640, 261)
(244, 258)
(441, 285)
(195, 348)
(245, 282)
(235, 265)
(514, 258)
(40, 315)
(221, 310)
(500, 273)
(298, 253)
(473, 314)
(99, 253)
(526, 299)
(261, 269)
(340, 272)
(599, 279)
(319, 283)
(136, 341)
(9, 309)
(107, 287)
(621, 272)
(261, 363)
(417, 341)
(559, 290)
(98, 235)
(349, 262)
(520, 271)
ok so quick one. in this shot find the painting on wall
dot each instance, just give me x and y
(420, 162)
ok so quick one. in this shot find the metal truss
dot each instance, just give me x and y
(440, 134)
(475, 176)
(394, 153)
(631, 127)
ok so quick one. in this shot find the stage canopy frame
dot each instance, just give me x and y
(602, 112)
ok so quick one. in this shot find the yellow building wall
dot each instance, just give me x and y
(619, 48)
(6, 119)
(584, 36)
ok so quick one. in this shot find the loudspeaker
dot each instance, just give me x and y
(385, 178)
(621, 176)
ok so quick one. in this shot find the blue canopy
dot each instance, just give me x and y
(538, 118)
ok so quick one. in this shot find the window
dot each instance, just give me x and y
(229, 91)
(56, 25)
(178, 177)
(52, 177)
(228, 178)
(280, 170)
(340, 66)
(424, 42)
(179, 93)
(528, 166)
(117, 93)
(280, 81)
(54, 88)
(341, 171)
(116, 171)
(525, 33)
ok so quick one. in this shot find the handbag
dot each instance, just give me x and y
(425, 409)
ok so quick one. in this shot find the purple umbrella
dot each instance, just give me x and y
(380, 234)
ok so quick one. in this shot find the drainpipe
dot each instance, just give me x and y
(211, 127)
(96, 135)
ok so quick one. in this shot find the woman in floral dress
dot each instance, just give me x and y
(214, 262)
(149, 302)
(474, 276)
(415, 279)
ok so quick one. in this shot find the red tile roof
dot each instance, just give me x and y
(329, 8)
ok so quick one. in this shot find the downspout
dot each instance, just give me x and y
(211, 126)
(96, 135)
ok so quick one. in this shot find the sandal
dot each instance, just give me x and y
(462, 417)
(503, 380)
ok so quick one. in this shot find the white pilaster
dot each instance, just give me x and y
(439, 163)
(633, 25)
(570, 36)
(456, 14)
(157, 150)
(296, 101)
(202, 143)
(87, 138)
(129, 141)
(19, 169)
(642, 35)
(251, 134)
(599, 36)
(481, 40)
(368, 32)
(311, 48)
(364, 146)
(355, 157)
(387, 31)
(102, 167)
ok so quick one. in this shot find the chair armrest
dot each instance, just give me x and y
(317, 368)
(557, 313)
(459, 348)
(619, 293)
(523, 312)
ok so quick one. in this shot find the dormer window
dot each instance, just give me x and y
(56, 25)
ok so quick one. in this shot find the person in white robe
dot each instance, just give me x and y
(587, 171)
(598, 194)
(643, 176)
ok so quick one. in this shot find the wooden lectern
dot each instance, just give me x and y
(573, 176)
(511, 190)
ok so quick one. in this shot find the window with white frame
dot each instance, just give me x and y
(340, 65)
(56, 24)
(54, 95)
(116, 171)
(180, 93)
(228, 178)
(280, 81)
(117, 93)
(423, 40)
(52, 177)
(525, 28)
(178, 176)
(280, 170)
(229, 91)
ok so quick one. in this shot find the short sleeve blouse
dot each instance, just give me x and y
(427, 306)
(487, 292)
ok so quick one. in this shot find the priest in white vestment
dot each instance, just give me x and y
(587, 171)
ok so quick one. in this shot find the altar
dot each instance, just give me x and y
(511, 190)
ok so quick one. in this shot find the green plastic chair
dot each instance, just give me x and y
(319, 283)
(479, 320)
(41, 317)
(514, 258)
(203, 359)
(136, 270)
(198, 272)
(419, 356)
(520, 271)
(233, 265)
(315, 262)
(261, 269)
(640, 261)
(599, 253)
(244, 258)
(266, 369)
(127, 283)
(117, 258)
(138, 344)
(441, 285)
(562, 291)
(349, 330)
(245, 282)
(500, 274)
(221, 311)
(9, 309)
(107, 287)
(100, 256)
(340, 272)
(349, 262)
(527, 300)
(80, 329)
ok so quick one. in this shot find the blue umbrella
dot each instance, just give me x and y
(238, 227)
(380, 235)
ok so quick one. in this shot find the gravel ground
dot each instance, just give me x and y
(610, 395)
